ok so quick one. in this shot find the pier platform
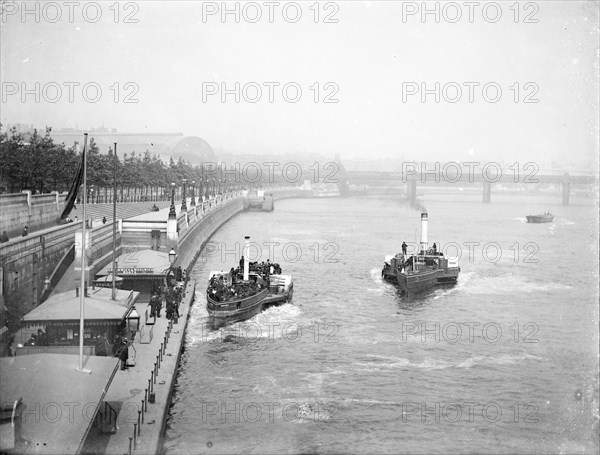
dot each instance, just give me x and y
(139, 422)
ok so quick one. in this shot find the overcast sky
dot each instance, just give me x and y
(367, 51)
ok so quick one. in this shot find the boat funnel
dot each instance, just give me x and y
(424, 231)
(246, 261)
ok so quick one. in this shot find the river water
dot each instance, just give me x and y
(504, 362)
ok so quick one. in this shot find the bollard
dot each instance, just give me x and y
(161, 351)
(142, 411)
(130, 440)
(165, 342)
(151, 395)
(155, 372)
(146, 399)
(158, 360)
(134, 435)
(138, 422)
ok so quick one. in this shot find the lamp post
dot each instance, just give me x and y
(172, 213)
(183, 204)
(201, 191)
(193, 202)
(172, 256)
(133, 320)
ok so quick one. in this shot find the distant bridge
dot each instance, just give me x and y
(454, 173)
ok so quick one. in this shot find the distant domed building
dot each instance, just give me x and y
(192, 149)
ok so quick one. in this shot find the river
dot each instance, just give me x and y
(504, 362)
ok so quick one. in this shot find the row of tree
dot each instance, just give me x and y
(34, 162)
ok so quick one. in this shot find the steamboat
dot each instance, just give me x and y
(244, 292)
(416, 273)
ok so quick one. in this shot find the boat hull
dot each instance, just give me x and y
(224, 313)
(422, 281)
(539, 219)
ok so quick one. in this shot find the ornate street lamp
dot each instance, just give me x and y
(133, 320)
(172, 212)
(183, 204)
(193, 202)
(172, 256)
(201, 192)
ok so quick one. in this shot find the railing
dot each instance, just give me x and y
(38, 199)
(12, 199)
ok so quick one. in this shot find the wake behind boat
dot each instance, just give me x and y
(244, 292)
(420, 272)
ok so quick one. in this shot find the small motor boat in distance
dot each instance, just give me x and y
(543, 218)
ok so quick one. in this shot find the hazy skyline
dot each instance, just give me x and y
(366, 57)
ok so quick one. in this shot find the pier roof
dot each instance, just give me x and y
(98, 307)
(142, 263)
(60, 401)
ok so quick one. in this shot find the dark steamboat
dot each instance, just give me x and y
(417, 273)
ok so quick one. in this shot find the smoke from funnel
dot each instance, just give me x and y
(417, 206)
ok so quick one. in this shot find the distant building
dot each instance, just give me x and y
(192, 149)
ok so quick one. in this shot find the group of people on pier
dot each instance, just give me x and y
(172, 294)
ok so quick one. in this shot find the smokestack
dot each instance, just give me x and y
(424, 231)
(246, 253)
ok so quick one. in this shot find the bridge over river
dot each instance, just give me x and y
(483, 175)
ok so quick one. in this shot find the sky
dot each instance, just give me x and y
(361, 68)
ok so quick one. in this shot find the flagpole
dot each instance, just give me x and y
(83, 257)
(114, 230)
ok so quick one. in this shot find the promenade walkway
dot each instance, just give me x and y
(128, 392)
(124, 210)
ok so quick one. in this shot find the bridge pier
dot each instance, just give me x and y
(487, 192)
(411, 190)
(566, 193)
(566, 189)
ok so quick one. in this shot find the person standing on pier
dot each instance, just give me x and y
(404, 246)
(102, 345)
